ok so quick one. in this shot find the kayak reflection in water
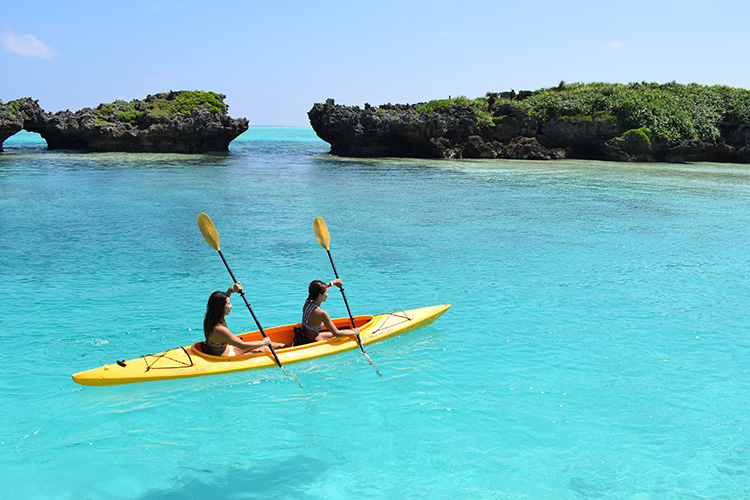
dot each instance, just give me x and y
(219, 340)
(314, 317)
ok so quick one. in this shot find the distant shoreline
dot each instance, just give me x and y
(25, 137)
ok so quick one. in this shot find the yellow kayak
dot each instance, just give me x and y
(189, 361)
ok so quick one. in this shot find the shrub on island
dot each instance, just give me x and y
(674, 112)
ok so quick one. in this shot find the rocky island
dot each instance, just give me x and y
(172, 122)
(645, 122)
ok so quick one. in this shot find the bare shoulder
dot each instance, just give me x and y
(221, 331)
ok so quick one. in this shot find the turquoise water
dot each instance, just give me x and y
(597, 346)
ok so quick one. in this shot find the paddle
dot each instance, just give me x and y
(321, 233)
(208, 230)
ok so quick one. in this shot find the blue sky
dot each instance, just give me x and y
(275, 59)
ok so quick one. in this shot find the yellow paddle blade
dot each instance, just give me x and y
(208, 231)
(321, 232)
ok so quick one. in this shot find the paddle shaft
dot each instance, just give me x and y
(242, 294)
(351, 318)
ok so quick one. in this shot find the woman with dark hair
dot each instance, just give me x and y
(219, 340)
(314, 317)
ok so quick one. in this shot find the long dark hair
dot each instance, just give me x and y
(214, 312)
(316, 288)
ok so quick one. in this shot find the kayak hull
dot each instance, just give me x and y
(189, 361)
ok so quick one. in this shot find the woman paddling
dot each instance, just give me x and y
(219, 340)
(314, 317)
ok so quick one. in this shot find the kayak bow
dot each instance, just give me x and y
(189, 361)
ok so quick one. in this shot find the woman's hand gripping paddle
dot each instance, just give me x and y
(212, 238)
(321, 233)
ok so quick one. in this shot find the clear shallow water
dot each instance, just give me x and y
(597, 346)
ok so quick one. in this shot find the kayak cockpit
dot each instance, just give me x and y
(283, 335)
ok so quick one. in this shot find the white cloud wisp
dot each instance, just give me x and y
(613, 45)
(26, 45)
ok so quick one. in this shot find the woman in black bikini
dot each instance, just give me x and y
(313, 317)
(219, 340)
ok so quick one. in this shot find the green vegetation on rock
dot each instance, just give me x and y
(480, 106)
(637, 134)
(160, 105)
(128, 112)
(185, 102)
(9, 110)
(670, 111)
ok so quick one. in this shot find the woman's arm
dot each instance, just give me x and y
(335, 331)
(337, 282)
(227, 336)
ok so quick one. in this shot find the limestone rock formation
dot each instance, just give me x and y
(401, 130)
(455, 132)
(173, 122)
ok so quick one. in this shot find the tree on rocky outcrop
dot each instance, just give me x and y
(491, 99)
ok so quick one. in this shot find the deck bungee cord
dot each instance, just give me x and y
(163, 355)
